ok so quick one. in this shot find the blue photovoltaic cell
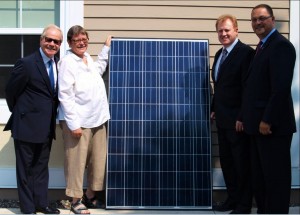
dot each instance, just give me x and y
(159, 151)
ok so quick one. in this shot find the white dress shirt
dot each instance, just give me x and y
(81, 90)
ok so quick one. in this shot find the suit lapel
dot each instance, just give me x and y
(215, 63)
(229, 57)
(265, 46)
(43, 71)
(56, 59)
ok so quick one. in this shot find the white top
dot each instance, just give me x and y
(81, 91)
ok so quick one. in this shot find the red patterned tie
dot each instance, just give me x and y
(259, 47)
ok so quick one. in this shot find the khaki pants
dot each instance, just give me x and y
(87, 152)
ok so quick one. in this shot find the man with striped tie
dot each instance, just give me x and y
(229, 68)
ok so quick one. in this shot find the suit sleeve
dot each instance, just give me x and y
(16, 84)
(212, 106)
(244, 73)
(282, 62)
(212, 86)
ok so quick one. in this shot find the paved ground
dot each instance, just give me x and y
(293, 210)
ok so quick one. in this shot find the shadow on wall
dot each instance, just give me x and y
(7, 152)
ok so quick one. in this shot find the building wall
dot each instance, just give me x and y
(174, 19)
(7, 152)
(155, 19)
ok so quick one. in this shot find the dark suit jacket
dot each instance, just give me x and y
(31, 101)
(227, 99)
(267, 95)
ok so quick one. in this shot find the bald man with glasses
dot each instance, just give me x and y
(268, 114)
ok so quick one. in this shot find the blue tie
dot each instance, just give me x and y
(224, 55)
(51, 75)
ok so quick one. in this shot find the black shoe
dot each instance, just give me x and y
(92, 202)
(240, 212)
(48, 210)
(226, 206)
(27, 212)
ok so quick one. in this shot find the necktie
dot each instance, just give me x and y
(224, 55)
(51, 75)
(259, 47)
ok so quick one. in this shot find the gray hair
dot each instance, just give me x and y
(51, 26)
(76, 30)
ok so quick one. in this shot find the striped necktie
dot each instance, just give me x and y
(224, 55)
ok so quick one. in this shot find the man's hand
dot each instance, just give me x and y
(239, 126)
(212, 117)
(265, 128)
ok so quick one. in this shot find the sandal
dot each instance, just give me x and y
(92, 202)
(78, 208)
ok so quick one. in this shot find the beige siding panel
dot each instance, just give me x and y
(98, 37)
(96, 42)
(216, 162)
(215, 149)
(165, 25)
(107, 11)
(211, 58)
(274, 3)
(149, 24)
(175, 19)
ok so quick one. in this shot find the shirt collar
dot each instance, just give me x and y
(74, 55)
(265, 39)
(229, 48)
(45, 58)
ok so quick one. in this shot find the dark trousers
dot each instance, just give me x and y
(234, 151)
(32, 174)
(271, 171)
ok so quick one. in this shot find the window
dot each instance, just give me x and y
(21, 24)
(28, 13)
(20, 21)
(15, 46)
(15, 16)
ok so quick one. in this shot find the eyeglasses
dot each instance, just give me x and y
(84, 40)
(260, 19)
(49, 40)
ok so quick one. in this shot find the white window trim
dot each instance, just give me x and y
(21, 31)
(295, 39)
(71, 13)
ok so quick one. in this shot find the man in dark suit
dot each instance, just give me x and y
(234, 145)
(268, 114)
(32, 98)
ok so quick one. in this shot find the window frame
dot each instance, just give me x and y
(71, 13)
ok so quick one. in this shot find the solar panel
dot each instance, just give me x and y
(159, 151)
